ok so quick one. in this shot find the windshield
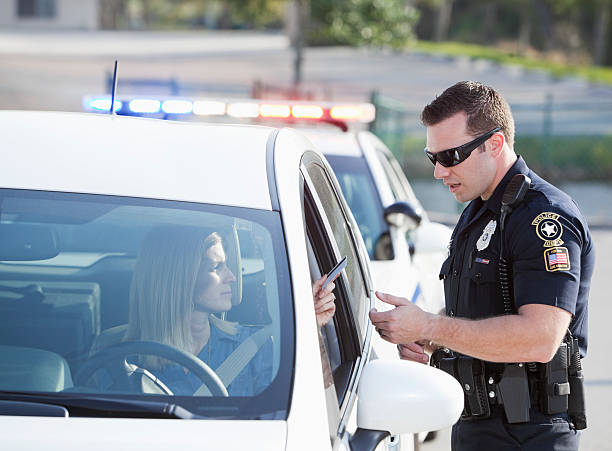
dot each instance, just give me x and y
(360, 193)
(112, 299)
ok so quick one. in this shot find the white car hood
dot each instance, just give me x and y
(93, 434)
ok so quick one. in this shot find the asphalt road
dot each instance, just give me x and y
(597, 365)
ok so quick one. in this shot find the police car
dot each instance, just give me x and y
(86, 204)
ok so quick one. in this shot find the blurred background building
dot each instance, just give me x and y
(50, 14)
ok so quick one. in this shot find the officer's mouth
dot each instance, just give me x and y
(453, 187)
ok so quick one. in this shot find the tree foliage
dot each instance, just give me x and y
(380, 23)
(575, 31)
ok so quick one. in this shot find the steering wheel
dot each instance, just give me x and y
(109, 357)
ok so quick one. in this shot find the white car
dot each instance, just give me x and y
(97, 210)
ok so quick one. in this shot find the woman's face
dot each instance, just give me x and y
(213, 292)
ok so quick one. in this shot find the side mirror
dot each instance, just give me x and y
(402, 214)
(403, 397)
(431, 237)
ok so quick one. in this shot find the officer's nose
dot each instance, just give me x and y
(440, 171)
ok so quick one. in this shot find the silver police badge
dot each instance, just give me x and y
(487, 233)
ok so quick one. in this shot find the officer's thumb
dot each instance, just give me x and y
(390, 299)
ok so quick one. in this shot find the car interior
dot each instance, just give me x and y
(66, 264)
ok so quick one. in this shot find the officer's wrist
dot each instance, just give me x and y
(432, 327)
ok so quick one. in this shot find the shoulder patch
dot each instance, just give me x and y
(548, 229)
(557, 259)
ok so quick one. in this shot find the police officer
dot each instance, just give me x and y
(549, 254)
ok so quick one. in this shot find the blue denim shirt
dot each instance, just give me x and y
(252, 380)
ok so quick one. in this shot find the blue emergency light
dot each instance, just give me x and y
(101, 104)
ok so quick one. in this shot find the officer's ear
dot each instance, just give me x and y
(496, 144)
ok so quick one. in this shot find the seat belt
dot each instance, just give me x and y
(238, 359)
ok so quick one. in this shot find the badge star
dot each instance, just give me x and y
(549, 229)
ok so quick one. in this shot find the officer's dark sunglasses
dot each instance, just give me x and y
(454, 156)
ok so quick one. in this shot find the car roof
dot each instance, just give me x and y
(333, 142)
(125, 156)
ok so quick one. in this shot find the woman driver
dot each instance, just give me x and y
(181, 283)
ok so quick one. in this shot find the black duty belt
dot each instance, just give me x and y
(515, 387)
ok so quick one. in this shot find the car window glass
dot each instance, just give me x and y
(402, 180)
(360, 193)
(82, 274)
(346, 246)
(392, 177)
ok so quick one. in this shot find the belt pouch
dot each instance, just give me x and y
(513, 389)
(472, 379)
(555, 386)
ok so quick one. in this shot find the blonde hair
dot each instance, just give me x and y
(163, 285)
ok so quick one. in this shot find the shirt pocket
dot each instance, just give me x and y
(483, 287)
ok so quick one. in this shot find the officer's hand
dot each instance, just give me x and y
(406, 323)
(414, 352)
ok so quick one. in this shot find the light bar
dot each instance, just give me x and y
(237, 108)
(362, 113)
(243, 109)
(208, 108)
(101, 104)
(307, 111)
(145, 105)
(274, 110)
(177, 106)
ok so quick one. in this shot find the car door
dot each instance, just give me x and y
(345, 341)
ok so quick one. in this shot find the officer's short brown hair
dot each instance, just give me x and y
(486, 109)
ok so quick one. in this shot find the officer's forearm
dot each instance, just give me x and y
(531, 336)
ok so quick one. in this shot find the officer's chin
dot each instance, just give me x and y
(462, 197)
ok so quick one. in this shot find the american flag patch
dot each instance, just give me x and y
(481, 260)
(557, 259)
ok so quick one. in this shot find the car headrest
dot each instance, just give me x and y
(29, 369)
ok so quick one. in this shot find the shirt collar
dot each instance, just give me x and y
(494, 202)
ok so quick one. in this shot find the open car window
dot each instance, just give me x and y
(111, 298)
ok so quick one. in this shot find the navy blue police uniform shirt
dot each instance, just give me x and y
(547, 243)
